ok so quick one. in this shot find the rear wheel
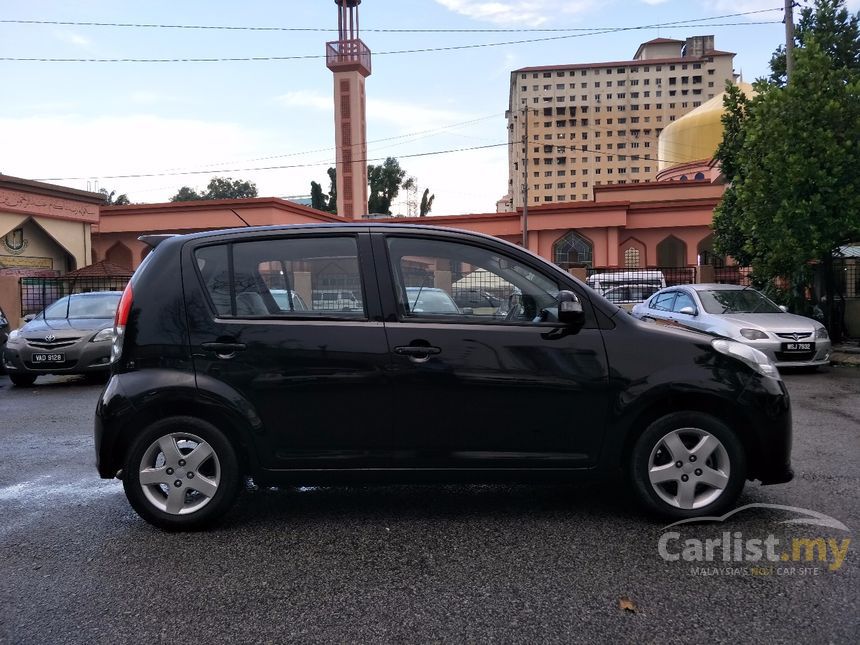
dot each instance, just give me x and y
(688, 464)
(22, 380)
(181, 474)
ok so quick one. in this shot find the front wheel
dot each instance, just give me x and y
(181, 474)
(688, 464)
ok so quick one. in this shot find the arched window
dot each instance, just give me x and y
(631, 258)
(683, 177)
(699, 175)
(572, 249)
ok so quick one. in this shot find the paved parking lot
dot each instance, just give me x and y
(409, 563)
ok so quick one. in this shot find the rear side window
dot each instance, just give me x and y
(287, 277)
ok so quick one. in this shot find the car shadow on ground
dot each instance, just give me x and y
(429, 502)
(55, 383)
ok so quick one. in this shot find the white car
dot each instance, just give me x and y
(603, 282)
(742, 314)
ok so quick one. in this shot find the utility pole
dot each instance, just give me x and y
(526, 179)
(789, 40)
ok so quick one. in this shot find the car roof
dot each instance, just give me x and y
(707, 286)
(93, 294)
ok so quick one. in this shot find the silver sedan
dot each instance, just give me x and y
(742, 314)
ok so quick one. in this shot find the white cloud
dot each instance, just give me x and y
(406, 117)
(654, 2)
(524, 12)
(72, 38)
(102, 146)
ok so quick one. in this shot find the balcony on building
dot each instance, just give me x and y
(348, 56)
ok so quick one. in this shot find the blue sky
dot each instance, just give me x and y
(97, 120)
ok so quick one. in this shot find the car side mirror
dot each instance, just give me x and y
(687, 311)
(784, 309)
(29, 317)
(570, 309)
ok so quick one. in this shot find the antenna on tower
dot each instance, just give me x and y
(411, 185)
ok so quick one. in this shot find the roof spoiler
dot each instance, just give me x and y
(155, 240)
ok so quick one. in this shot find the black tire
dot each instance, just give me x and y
(688, 424)
(224, 468)
(22, 380)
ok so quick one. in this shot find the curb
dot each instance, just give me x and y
(844, 358)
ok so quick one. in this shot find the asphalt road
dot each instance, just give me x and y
(408, 563)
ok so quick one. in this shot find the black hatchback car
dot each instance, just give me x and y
(214, 379)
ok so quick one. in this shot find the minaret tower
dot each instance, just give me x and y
(349, 59)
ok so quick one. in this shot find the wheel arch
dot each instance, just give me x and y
(178, 405)
(673, 401)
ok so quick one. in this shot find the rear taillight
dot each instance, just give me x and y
(119, 323)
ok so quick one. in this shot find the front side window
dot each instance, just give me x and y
(296, 276)
(442, 280)
(663, 302)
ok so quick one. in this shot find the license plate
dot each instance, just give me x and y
(797, 347)
(49, 358)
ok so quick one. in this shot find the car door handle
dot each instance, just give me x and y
(417, 352)
(224, 350)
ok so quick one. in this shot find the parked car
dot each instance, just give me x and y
(4, 335)
(334, 300)
(627, 294)
(744, 315)
(288, 300)
(71, 336)
(603, 282)
(203, 398)
(430, 300)
(478, 301)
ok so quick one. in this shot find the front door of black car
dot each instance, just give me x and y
(309, 370)
(490, 387)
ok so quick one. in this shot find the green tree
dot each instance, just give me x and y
(318, 199)
(385, 182)
(833, 27)
(218, 188)
(792, 155)
(112, 199)
(426, 203)
(186, 194)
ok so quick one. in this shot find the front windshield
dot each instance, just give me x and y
(84, 306)
(737, 301)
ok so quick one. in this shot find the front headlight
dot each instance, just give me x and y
(821, 332)
(753, 334)
(749, 355)
(13, 335)
(103, 335)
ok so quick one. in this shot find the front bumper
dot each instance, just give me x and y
(767, 407)
(820, 355)
(84, 357)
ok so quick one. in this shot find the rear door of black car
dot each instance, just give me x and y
(313, 377)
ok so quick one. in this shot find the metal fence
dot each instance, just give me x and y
(623, 285)
(38, 293)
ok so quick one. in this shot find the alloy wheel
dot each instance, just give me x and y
(689, 468)
(179, 473)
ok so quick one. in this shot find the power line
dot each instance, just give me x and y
(419, 134)
(279, 167)
(72, 23)
(241, 59)
(336, 163)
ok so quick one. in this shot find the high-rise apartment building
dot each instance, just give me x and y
(573, 127)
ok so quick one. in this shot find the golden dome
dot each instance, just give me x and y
(696, 135)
